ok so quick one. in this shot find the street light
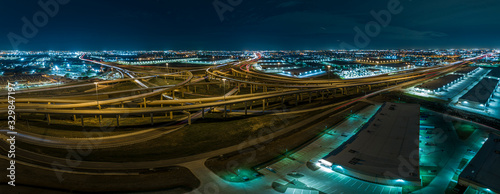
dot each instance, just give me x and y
(328, 71)
(166, 64)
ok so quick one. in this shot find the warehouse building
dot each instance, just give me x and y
(480, 95)
(482, 174)
(375, 153)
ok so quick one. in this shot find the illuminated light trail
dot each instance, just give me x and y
(118, 68)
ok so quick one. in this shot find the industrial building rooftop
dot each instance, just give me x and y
(483, 170)
(482, 92)
(440, 82)
(376, 151)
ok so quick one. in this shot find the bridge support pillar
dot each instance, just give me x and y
(189, 118)
(263, 105)
(140, 106)
(246, 111)
(203, 113)
(152, 118)
(81, 117)
(225, 111)
(310, 97)
(48, 119)
(171, 114)
(282, 101)
(117, 120)
(161, 98)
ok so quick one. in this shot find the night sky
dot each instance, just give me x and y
(251, 24)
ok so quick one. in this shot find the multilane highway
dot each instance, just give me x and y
(279, 91)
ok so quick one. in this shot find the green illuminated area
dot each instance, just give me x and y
(441, 136)
(464, 130)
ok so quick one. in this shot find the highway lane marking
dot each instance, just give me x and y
(383, 188)
(354, 183)
(367, 187)
(361, 185)
(376, 186)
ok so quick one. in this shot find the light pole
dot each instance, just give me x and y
(225, 105)
(328, 72)
(166, 64)
(96, 94)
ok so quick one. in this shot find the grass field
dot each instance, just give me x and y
(209, 134)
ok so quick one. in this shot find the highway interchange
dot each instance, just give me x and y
(263, 89)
